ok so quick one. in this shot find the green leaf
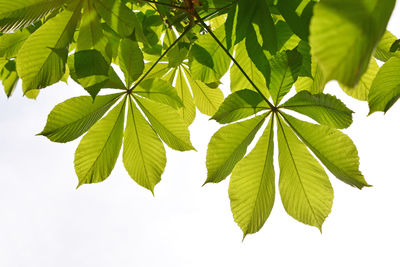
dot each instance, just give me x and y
(383, 52)
(92, 72)
(298, 21)
(208, 61)
(9, 77)
(188, 110)
(89, 63)
(91, 36)
(98, 150)
(333, 148)
(239, 105)
(323, 108)
(344, 35)
(41, 59)
(206, 99)
(118, 16)
(72, 118)
(130, 60)
(238, 81)
(314, 85)
(11, 43)
(250, 16)
(252, 185)
(285, 37)
(228, 145)
(160, 70)
(305, 189)
(285, 67)
(260, 59)
(144, 154)
(361, 90)
(18, 14)
(177, 54)
(167, 123)
(385, 89)
(159, 91)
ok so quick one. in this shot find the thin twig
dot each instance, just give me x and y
(200, 20)
(159, 59)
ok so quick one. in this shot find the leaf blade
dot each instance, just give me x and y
(98, 150)
(252, 185)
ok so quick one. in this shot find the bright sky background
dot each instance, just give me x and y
(45, 222)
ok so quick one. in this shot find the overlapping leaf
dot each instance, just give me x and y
(42, 58)
(385, 89)
(344, 53)
(18, 14)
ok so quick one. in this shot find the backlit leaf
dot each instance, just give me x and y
(252, 185)
(239, 105)
(73, 117)
(144, 154)
(385, 89)
(305, 189)
(323, 108)
(98, 150)
(333, 148)
(42, 58)
(167, 123)
(344, 53)
(228, 145)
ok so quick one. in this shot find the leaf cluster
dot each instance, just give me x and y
(163, 61)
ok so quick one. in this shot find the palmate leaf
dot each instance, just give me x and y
(323, 108)
(240, 105)
(305, 189)
(344, 53)
(144, 154)
(252, 185)
(73, 117)
(385, 89)
(228, 145)
(168, 124)
(18, 14)
(98, 150)
(361, 90)
(333, 148)
(42, 58)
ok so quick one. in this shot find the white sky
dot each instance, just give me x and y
(45, 222)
